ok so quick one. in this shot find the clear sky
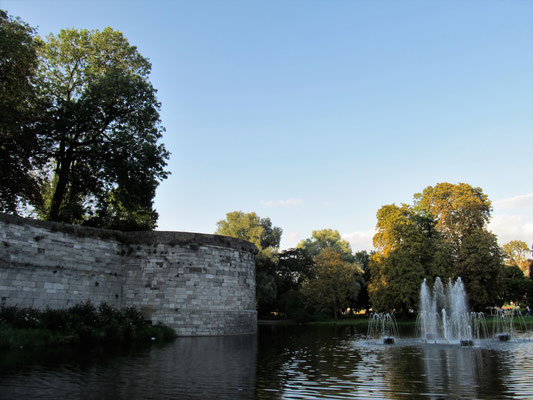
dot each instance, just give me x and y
(317, 113)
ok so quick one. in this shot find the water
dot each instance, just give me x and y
(279, 363)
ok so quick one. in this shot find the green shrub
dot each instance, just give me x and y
(8, 315)
(82, 323)
(11, 338)
(54, 319)
(83, 314)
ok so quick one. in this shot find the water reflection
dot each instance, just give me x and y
(457, 371)
(278, 363)
(443, 371)
(189, 368)
(304, 363)
(334, 364)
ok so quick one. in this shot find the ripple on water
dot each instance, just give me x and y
(358, 369)
(296, 364)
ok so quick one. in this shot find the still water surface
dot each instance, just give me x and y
(278, 363)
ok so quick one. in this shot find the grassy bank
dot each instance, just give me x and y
(83, 323)
(362, 322)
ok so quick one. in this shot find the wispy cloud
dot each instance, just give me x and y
(513, 219)
(360, 240)
(291, 239)
(522, 201)
(512, 227)
(283, 203)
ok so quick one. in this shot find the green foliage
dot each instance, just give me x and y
(337, 283)
(458, 209)
(266, 290)
(399, 288)
(295, 305)
(260, 232)
(80, 136)
(321, 277)
(103, 131)
(529, 295)
(409, 250)
(81, 323)
(515, 286)
(250, 227)
(19, 105)
(393, 222)
(16, 338)
(479, 264)
(294, 267)
(21, 318)
(515, 253)
(362, 259)
(324, 239)
(442, 234)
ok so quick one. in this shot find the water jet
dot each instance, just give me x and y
(382, 326)
(444, 315)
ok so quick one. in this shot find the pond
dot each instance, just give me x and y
(281, 362)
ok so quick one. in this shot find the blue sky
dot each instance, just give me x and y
(317, 113)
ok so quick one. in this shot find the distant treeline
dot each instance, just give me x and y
(443, 233)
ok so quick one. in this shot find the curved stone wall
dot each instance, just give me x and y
(199, 284)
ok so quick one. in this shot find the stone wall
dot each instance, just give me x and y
(198, 284)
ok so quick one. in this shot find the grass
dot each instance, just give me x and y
(83, 323)
(362, 322)
(14, 338)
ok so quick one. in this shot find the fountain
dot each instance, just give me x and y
(444, 314)
(504, 323)
(382, 326)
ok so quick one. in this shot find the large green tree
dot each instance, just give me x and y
(103, 129)
(444, 233)
(324, 239)
(479, 264)
(408, 250)
(461, 213)
(362, 259)
(516, 252)
(19, 107)
(250, 227)
(294, 268)
(337, 283)
(457, 209)
(515, 286)
(266, 237)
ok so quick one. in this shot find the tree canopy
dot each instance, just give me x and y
(266, 237)
(103, 129)
(408, 250)
(444, 233)
(19, 185)
(324, 239)
(458, 209)
(294, 267)
(515, 286)
(250, 227)
(480, 266)
(92, 136)
(515, 252)
(337, 283)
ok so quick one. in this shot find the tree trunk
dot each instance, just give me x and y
(62, 173)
